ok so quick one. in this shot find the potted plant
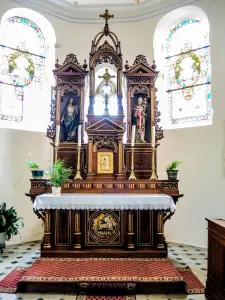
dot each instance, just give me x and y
(9, 224)
(58, 174)
(172, 170)
(35, 169)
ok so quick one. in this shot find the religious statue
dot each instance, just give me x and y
(138, 117)
(70, 121)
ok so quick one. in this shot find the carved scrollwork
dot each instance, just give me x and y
(109, 58)
(139, 80)
(170, 185)
(140, 161)
(70, 88)
(105, 142)
(70, 79)
(140, 89)
(71, 58)
(141, 59)
(158, 129)
(106, 47)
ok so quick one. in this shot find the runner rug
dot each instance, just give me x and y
(101, 271)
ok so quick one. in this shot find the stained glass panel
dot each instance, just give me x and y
(188, 72)
(22, 66)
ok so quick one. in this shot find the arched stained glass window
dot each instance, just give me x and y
(24, 85)
(188, 72)
(182, 52)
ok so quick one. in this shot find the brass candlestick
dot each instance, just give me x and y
(78, 175)
(153, 176)
(132, 175)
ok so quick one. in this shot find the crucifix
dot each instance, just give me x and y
(106, 16)
(107, 76)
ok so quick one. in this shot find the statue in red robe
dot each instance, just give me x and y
(138, 117)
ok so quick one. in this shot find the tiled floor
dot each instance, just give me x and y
(25, 254)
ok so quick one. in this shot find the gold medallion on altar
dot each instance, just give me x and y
(105, 163)
(104, 226)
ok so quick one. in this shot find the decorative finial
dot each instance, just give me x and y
(127, 67)
(85, 65)
(107, 17)
(57, 63)
(154, 65)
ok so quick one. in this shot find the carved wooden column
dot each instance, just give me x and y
(47, 228)
(153, 105)
(77, 232)
(90, 158)
(129, 115)
(58, 102)
(120, 92)
(160, 231)
(130, 229)
(82, 111)
(92, 92)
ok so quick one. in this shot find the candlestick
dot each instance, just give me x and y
(153, 176)
(153, 136)
(57, 135)
(133, 135)
(78, 175)
(132, 175)
(79, 136)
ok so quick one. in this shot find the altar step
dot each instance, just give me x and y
(105, 253)
(102, 275)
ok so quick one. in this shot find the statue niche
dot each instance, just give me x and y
(141, 117)
(69, 117)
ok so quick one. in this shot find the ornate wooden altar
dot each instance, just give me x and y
(101, 158)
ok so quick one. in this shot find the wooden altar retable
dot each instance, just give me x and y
(104, 160)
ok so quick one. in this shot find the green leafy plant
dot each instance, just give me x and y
(58, 174)
(33, 165)
(9, 221)
(174, 164)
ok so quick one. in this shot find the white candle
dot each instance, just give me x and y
(57, 135)
(79, 136)
(153, 136)
(133, 135)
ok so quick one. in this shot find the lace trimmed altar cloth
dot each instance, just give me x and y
(105, 202)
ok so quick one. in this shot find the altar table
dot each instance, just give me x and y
(106, 225)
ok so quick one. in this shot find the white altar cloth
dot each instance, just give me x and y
(105, 201)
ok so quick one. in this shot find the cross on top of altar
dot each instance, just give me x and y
(107, 76)
(107, 16)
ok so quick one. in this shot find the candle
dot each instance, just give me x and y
(153, 136)
(79, 136)
(57, 135)
(133, 135)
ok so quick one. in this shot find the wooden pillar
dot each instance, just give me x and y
(160, 231)
(120, 92)
(58, 102)
(77, 232)
(130, 229)
(47, 233)
(129, 115)
(120, 174)
(90, 157)
(92, 93)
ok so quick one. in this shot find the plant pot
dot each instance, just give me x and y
(172, 174)
(37, 174)
(56, 190)
(2, 239)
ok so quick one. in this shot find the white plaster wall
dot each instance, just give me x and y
(201, 149)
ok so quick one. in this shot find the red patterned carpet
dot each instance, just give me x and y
(86, 297)
(138, 270)
(102, 269)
